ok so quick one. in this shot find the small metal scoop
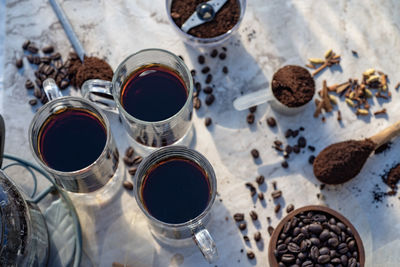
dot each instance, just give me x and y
(205, 12)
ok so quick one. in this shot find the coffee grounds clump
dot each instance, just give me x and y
(342, 161)
(293, 86)
(225, 19)
(392, 178)
(93, 68)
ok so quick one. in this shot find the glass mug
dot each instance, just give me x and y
(178, 232)
(97, 173)
(155, 133)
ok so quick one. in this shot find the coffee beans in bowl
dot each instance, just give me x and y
(315, 236)
(218, 27)
(293, 87)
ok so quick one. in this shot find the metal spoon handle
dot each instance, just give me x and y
(386, 135)
(68, 29)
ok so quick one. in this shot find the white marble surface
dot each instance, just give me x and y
(273, 33)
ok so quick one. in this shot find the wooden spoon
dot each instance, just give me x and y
(340, 162)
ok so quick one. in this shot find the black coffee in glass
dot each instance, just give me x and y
(153, 93)
(71, 139)
(176, 190)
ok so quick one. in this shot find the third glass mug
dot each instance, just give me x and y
(171, 130)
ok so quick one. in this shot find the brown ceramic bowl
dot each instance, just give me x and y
(274, 238)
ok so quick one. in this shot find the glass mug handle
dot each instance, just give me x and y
(100, 93)
(205, 242)
(51, 89)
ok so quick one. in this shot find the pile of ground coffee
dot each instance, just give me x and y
(392, 179)
(293, 86)
(342, 161)
(225, 19)
(93, 68)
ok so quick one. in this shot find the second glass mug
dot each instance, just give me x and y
(173, 130)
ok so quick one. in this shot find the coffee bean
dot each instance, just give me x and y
(55, 56)
(246, 238)
(288, 133)
(270, 230)
(207, 121)
(250, 255)
(285, 164)
(319, 218)
(208, 90)
(352, 245)
(288, 258)
(311, 148)
(193, 72)
(128, 185)
(278, 143)
(196, 103)
(29, 84)
(222, 56)
(335, 229)
(276, 194)
(32, 102)
(253, 109)
(129, 152)
(250, 118)
(201, 59)
(128, 161)
(260, 179)
(324, 251)
(315, 228)
(238, 217)
(137, 159)
(45, 60)
(324, 259)
(225, 69)
(253, 215)
(37, 93)
(205, 69)
(132, 170)
(311, 159)
(307, 264)
(302, 142)
(335, 261)
(30, 58)
(277, 208)
(208, 78)
(36, 60)
(19, 63)
(242, 226)
(257, 236)
(32, 48)
(271, 121)
(293, 247)
(254, 153)
(261, 196)
(64, 84)
(58, 64)
(197, 85)
(333, 242)
(289, 149)
(314, 253)
(214, 53)
(48, 49)
(26, 44)
(195, 94)
(295, 133)
(289, 208)
(342, 248)
(38, 82)
(325, 235)
(209, 99)
(296, 149)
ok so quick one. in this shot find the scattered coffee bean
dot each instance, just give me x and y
(242, 226)
(302, 142)
(196, 103)
(253, 215)
(197, 85)
(288, 149)
(201, 59)
(296, 149)
(129, 152)
(30, 58)
(128, 161)
(288, 133)
(252, 189)
(208, 90)
(250, 118)
(260, 179)
(225, 69)
(222, 56)
(137, 159)
(29, 84)
(36, 60)
(311, 159)
(208, 78)
(193, 72)
(261, 196)
(276, 194)
(205, 70)
(207, 121)
(48, 49)
(250, 255)
(37, 93)
(128, 185)
(238, 217)
(209, 99)
(132, 170)
(257, 236)
(32, 102)
(289, 208)
(277, 208)
(26, 44)
(214, 53)
(278, 143)
(45, 60)
(246, 238)
(254, 152)
(270, 230)
(271, 121)
(181, 57)
(285, 164)
(64, 84)
(253, 109)
(33, 49)
(19, 63)
(195, 94)
(56, 56)
(274, 185)
(311, 148)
